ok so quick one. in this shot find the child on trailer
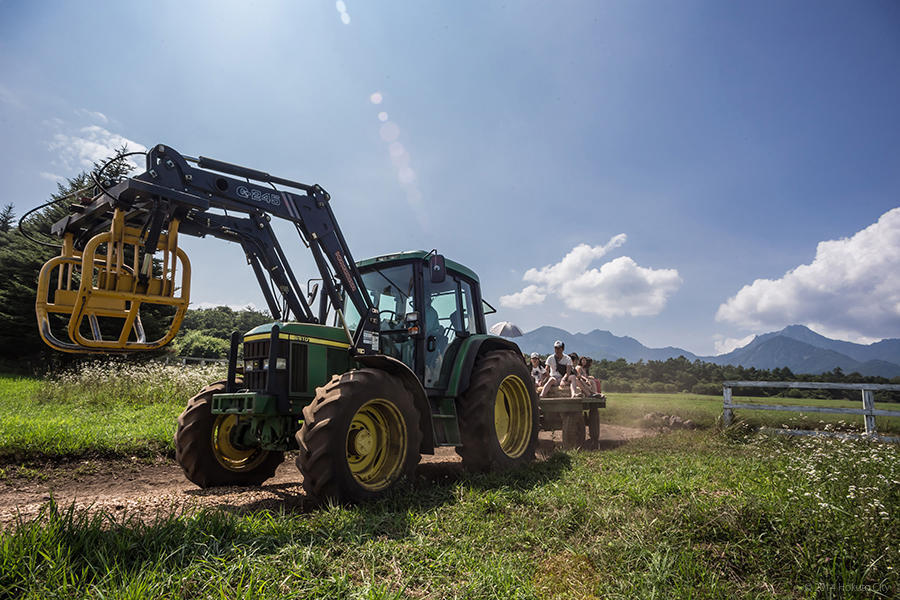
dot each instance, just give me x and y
(537, 369)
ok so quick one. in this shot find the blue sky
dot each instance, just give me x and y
(726, 141)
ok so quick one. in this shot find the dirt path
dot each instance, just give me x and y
(136, 487)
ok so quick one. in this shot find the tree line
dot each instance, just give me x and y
(698, 377)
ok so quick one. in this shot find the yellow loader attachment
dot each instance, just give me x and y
(103, 287)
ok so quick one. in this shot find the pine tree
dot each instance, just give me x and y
(6, 218)
(21, 260)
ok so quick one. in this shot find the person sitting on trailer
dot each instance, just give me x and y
(558, 367)
(574, 377)
(584, 371)
(537, 369)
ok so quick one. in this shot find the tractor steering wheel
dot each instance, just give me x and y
(391, 312)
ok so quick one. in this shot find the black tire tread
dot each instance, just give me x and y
(193, 448)
(322, 422)
(480, 449)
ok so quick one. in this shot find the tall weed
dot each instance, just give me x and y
(110, 381)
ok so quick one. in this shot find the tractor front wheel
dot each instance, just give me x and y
(207, 452)
(360, 436)
(498, 414)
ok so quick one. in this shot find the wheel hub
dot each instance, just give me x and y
(512, 416)
(362, 442)
(376, 444)
(231, 455)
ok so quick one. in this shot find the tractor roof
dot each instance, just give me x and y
(413, 254)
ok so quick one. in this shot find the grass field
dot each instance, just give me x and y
(697, 514)
(103, 410)
(685, 515)
(122, 411)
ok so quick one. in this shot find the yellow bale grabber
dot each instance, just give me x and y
(102, 289)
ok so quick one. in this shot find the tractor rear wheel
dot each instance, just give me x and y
(207, 452)
(360, 436)
(498, 414)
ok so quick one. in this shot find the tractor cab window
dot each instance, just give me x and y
(468, 322)
(449, 316)
(391, 292)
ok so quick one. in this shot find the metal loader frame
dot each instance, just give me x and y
(172, 197)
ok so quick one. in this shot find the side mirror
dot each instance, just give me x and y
(436, 266)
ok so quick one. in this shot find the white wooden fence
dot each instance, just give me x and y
(868, 410)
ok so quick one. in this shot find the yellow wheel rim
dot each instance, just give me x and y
(376, 444)
(228, 455)
(512, 416)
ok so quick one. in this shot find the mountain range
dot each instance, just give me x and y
(796, 347)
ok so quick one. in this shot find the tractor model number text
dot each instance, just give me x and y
(258, 195)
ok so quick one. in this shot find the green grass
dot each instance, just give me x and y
(121, 410)
(702, 514)
(692, 514)
(102, 410)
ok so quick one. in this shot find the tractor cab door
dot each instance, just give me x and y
(392, 291)
(449, 316)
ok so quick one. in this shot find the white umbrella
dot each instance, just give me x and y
(506, 329)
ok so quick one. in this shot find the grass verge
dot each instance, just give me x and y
(103, 409)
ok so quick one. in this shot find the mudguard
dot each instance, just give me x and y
(461, 363)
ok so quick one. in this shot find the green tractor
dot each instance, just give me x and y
(404, 367)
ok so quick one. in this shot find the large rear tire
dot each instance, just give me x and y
(498, 414)
(360, 436)
(206, 452)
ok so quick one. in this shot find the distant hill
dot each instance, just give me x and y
(796, 347)
(803, 350)
(597, 344)
(885, 350)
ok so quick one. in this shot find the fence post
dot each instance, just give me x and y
(868, 398)
(727, 413)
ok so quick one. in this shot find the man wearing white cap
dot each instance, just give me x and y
(558, 366)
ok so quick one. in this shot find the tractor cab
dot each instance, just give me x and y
(426, 307)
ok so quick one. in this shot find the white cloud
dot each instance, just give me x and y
(573, 264)
(726, 345)
(851, 289)
(81, 149)
(530, 295)
(92, 115)
(619, 287)
(51, 176)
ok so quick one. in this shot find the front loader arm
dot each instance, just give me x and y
(174, 192)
